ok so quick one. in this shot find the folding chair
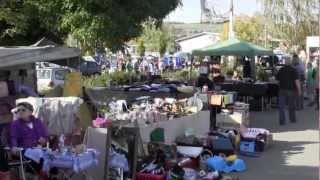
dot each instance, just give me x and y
(19, 164)
(15, 164)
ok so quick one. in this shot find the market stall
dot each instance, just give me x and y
(153, 110)
(235, 47)
(67, 150)
(156, 118)
(18, 72)
(232, 47)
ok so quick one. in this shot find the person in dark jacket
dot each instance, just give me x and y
(204, 80)
(289, 89)
(246, 69)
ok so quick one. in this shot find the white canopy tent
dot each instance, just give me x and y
(13, 56)
(20, 61)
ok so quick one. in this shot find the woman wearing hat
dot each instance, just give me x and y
(27, 131)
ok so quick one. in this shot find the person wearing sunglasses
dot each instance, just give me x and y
(27, 131)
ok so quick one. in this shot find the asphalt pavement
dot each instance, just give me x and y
(294, 154)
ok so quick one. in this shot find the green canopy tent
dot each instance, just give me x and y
(233, 47)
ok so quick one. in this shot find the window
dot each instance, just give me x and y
(92, 65)
(44, 74)
(59, 75)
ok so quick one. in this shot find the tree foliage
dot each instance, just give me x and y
(20, 24)
(141, 48)
(94, 23)
(292, 20)
(250, 29)
(158, 39)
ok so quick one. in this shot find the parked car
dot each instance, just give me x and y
(48, 78)
(88, 68)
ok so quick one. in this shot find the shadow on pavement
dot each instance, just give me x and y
(307, 119)
(294, 154)
(283, 161)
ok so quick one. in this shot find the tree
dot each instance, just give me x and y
(158, 39)
(250, 29)
(141, 48)
(94, 23)
(292, 20)
(19, 24)
(162, 44)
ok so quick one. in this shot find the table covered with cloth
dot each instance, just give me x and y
(266, 89)
(173, 128)
(72, 161)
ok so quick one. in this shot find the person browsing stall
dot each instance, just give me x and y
(310, 83)
(203, 79)
(298, 65)
(289, 90)
(27, 131)
(236, 76)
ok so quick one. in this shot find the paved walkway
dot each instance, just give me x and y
(295, 152)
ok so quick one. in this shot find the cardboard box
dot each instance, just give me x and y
(233, 120)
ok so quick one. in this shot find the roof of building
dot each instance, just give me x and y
(197, 35)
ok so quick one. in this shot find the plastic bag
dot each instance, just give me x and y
(117, 160)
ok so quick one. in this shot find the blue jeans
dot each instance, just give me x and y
(287, 96)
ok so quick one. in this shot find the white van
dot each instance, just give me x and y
(48, 78)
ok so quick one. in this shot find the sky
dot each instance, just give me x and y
(190, 11)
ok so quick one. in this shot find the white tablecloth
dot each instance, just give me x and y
(199, 122)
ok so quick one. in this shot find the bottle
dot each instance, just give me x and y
(61, 142)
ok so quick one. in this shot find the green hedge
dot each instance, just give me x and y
(118, 78)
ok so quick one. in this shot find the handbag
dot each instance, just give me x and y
(216, 100)
(157, 135)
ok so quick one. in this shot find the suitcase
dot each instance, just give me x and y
(220, 143)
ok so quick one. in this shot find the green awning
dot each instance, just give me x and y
(233, 47)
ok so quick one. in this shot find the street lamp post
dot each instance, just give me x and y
(231, 32)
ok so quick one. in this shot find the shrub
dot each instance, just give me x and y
(117, 78)
(181, 75)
